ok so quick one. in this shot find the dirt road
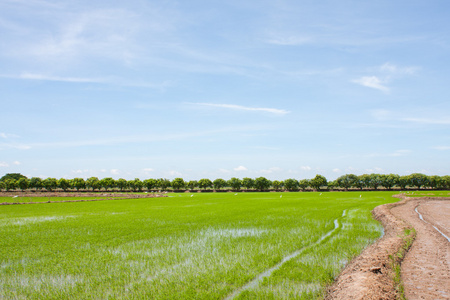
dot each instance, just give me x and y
(426, 267)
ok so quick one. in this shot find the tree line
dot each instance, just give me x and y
(17, 181)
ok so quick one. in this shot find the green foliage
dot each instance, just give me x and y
(80, 183)
(219, 183)
(178, 183)
(14, 176)
(248, 183)
(91, 183)
(163, 184)
(235, 183)
(122, 184)
(50, 184)
(418, 180)
(291, 184)
(64, 184)
(107, 183)
(318, 181)
(205, 183)
(22, 183)
(277, 184)
(303, 184)
(36, 183)
(262, 183)
(192, 184)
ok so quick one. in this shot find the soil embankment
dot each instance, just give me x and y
(425, 268)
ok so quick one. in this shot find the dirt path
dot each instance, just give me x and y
(425, 269)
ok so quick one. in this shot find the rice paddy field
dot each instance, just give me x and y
(186, 246)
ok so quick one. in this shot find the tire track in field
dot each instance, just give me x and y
(255, 282)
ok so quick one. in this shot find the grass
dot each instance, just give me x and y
(203, 247)
(409, 235)
(428, 193)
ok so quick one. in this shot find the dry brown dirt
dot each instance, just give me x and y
(425, 268)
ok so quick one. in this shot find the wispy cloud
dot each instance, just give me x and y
(397, 153)
(372, 82)
(43, 77)
(240, 168)
(428, 121)
(245, 108)
(442, 148)
(4, 164)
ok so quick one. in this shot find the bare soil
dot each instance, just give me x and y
(425, 268)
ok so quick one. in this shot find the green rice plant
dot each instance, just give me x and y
(186, 246)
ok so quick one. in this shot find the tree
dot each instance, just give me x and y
(445, 182)
(403, 181)
(375, 181)
(205, 183)
(22, 183)
(78, 183)
(150, 183)
(235, 183)
(163, 184)
(291, 184)
(277, 185)
(318, 182)
(303, 184)
(15, 176)
(178, 184)
(331, 185)
(219, 183)
(346, 181)
(63, 184)
(10, 184)
(435, 182)
(262, 183)
(192, 184)
(93, 183)
(35, 183)
(50, 184)
(107, 183)
(136, 184)
(123, 184)
(248, 183)
(365, 180)
(389, 181)
(418, 180)
(2, 186)
(359, 182)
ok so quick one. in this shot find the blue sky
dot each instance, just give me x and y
(221, 89)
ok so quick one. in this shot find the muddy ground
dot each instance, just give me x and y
(425, 268)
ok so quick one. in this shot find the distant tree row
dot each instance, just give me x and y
(16, 181)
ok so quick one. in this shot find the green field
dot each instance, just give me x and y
(208, 246)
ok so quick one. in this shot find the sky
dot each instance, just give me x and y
(220, 89)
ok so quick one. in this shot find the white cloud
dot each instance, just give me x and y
(225, 171)
(240, 168)
(372, 82)
(428, 121)
(16, 163)
(8, 135)
(175, 173)
(3, 164)
(271, 170)
(442, 148)
(393, 69)
(148, 170)
(114, 172)
(245, 108)
(336, 170)
(306, 168)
